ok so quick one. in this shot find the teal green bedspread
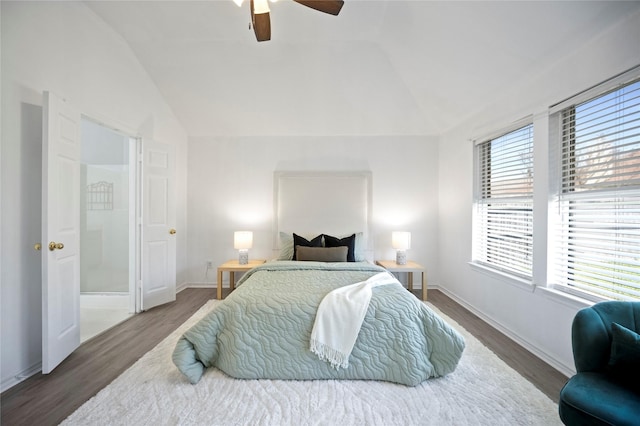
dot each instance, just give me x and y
(262, 330)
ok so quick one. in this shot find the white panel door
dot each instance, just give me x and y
(158, 225)
(60, 231)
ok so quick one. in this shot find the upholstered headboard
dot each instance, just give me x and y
(335, 203)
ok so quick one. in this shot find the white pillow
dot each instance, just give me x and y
(360, 247)
(286, 246)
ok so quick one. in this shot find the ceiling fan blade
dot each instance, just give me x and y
(331, 7)
(261, 24)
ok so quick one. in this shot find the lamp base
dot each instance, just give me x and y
(244, 257)
(401, 257)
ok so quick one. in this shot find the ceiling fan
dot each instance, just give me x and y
(260, 13)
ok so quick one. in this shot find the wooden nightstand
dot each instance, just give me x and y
(409, 268)
(232, 266)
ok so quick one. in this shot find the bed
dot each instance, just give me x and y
(262, 330)
(265, 327)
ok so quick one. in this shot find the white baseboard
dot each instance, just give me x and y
(180, 287)
(553, 362)
(104, 300)
(203, 285)
(10, 382)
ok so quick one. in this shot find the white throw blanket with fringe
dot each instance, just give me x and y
(340, 317)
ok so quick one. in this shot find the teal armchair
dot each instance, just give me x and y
(606, 352)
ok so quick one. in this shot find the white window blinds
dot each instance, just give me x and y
(599, 198)
(504, 203)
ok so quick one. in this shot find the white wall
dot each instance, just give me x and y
(231, 189)
(64, 48)
(539, 320)
(418, 184)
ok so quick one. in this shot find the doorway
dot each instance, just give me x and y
(107, 228)
(152, 221)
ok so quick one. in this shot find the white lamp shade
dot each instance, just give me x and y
(260, 6)
(242, 240)
(401, 240)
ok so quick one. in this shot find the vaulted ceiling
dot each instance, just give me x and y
(382, 67)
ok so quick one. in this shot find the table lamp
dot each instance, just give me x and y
(242, 241)
(401, 241)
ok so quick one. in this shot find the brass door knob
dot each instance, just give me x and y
(53, 245)
(37, 246)
(172, 231)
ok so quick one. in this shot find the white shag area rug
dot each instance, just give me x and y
(483, 390)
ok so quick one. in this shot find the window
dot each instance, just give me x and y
(504, 203)
(598, 235)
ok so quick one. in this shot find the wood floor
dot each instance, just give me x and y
(47, 400)
(546, 378)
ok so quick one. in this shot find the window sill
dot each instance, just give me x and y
(514, 280)
(565, 298)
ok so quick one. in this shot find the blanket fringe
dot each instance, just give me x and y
(326, 353)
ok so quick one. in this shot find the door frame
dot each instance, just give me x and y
(135, 222)
(135, 196)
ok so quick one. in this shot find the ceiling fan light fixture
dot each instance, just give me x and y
(260, 7)
(261, 21)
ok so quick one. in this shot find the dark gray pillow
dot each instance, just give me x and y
(301, 241)
(322, 254)
(349, 242)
